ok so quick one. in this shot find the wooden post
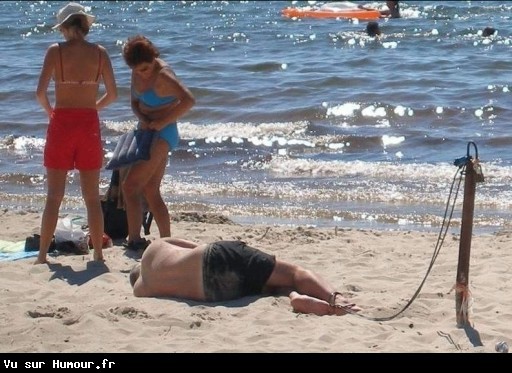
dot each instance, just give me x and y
(462, 293)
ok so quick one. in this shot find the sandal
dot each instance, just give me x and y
(332, 298)
(137, 245)
(332, 302)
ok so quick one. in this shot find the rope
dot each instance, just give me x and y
(440, 240)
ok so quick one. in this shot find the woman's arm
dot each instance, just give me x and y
(136, 108)
(169, 85)
(109, 81)
(45, 76)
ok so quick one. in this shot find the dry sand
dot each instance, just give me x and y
(75, 305)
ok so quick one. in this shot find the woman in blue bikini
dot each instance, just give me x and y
(158, 100)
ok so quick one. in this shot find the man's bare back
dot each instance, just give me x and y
(171, 267)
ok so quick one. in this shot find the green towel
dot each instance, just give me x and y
(11, 247)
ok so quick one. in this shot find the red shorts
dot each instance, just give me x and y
(73, 140)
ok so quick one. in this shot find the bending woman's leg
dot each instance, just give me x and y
(140, 179)
(152, 190)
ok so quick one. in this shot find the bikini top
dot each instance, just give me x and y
(79, 82)
(151, 99)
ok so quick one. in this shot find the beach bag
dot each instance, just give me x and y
(32, 243)
(131, 147)
(70, 229)
(71, 236)
(115, 222)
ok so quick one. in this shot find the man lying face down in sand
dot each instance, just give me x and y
(227, 270)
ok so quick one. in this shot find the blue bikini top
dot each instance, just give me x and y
(151, 99)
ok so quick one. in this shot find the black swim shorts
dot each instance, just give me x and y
(232, 270)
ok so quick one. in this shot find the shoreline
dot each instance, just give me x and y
(258, 220)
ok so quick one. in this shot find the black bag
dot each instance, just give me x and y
(115, 222)
(32, 243)
(64, 247)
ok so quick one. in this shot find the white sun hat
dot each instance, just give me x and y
(72, 9)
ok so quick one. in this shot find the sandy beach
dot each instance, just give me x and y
(76, 305)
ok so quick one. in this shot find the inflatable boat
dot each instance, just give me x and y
(343, 9)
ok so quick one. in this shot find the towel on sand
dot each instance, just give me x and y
(14, 250)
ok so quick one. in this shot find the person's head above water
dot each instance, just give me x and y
(372, 29)
(488, 31)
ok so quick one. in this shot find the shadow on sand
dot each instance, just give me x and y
(72, 277)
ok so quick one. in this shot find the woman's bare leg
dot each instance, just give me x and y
(152, 190)
(89, 181)
(56, 181)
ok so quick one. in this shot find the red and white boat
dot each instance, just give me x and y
(341, 9)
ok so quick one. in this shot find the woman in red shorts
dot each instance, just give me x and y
(73, 139)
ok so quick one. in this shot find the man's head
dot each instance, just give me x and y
(372, 29)
(488, 31)
(134, 274)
